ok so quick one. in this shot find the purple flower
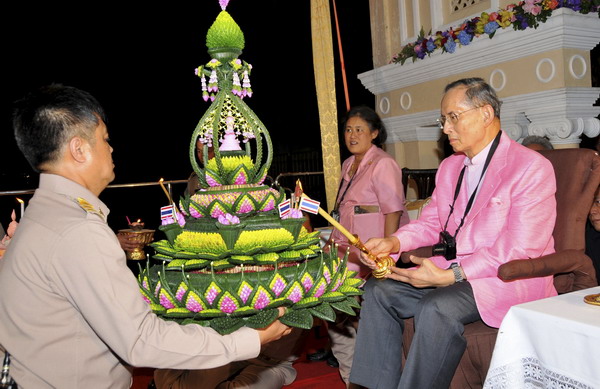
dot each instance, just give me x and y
(464, 37)
(523, 22)
(430, 45)
(450, 46)
(490, 27)
(419, 51)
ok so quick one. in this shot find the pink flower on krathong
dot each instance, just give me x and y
(241, 179)
(321, 289)
(262, 301)
(165, 301)
(294, 214)
(246, 207)
(296, 294)
(167, 220)
(180, 292)
(278, 287)
(493, 16)
(193, 303)
(180, 219)
(307, 282)
(245, 292)
(194, 213)
(211, 294)
(228, 305)
(269, 206)
(228, 219)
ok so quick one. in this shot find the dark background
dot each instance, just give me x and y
(138, 60)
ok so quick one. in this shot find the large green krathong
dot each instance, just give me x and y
(229, 260)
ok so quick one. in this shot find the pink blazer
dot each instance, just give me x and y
(512, 217)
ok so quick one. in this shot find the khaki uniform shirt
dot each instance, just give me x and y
(71, 312)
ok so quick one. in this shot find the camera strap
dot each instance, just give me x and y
(339, 201)
(459, 184)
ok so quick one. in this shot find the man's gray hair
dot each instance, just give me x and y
(478, 93)
(539, 140)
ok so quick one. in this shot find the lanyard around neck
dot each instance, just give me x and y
(472, 197)
(339, 201)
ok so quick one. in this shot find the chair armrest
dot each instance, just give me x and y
(566, 261)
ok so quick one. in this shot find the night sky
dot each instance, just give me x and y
(139, 62)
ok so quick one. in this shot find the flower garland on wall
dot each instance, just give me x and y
(525, 14)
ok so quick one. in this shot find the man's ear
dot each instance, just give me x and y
(78, 149)
(488, 114)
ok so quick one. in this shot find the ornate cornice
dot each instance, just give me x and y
(564, 29)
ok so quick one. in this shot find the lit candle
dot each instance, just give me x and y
(22, 207)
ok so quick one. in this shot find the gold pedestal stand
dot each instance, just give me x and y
(383, 263)
(142, 238)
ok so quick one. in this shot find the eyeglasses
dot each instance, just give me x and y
(453, 117)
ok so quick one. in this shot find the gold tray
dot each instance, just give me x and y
(593, 299)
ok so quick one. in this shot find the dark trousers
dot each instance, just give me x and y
(438, 343)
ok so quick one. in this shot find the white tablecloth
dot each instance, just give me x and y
(549, 343)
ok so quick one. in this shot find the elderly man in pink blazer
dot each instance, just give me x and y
(494, 202)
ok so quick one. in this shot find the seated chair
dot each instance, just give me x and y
(577, 178)
(424, 179)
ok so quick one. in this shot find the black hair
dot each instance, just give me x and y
(46, 119)
(373, 120)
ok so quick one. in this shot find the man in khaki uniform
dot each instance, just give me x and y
(72, 314)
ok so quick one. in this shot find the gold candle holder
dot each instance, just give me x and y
(142, 238)
(383, 263)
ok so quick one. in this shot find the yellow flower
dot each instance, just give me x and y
(505, 18)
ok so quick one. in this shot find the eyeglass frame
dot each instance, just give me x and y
(454, 117)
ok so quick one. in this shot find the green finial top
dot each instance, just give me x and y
(225, 32)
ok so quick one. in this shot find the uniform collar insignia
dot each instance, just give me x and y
(89, 208)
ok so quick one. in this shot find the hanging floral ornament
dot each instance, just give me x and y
(236, 89)
(246, 89)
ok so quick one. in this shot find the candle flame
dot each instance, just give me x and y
(139, 220)
(21, 201)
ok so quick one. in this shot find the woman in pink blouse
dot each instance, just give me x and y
(370, 199)
(370, 203)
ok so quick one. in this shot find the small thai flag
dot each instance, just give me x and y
(166, 212)
(309, 205)
(284, 208)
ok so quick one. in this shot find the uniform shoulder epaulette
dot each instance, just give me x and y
(89, 208)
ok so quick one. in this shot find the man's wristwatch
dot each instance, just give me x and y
(458, 277)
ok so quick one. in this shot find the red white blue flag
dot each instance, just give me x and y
(309, 205)
(284, 208)
(166, 212)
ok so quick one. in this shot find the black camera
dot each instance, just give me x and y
(446, 246)
(335, 214)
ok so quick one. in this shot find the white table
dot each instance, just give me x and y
(549, 343)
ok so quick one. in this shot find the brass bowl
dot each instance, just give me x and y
(142, 238)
